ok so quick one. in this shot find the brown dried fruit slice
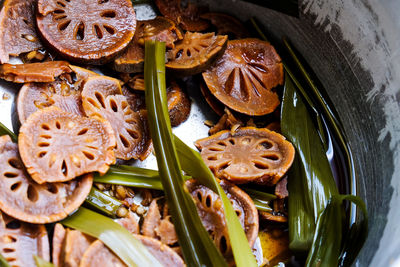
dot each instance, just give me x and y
(99, 255)
(134, 81)
(247, 155)
(34, 72)
(57, 244)
(57, 146)
(75, 245)
(101, 97)
(64, 93)
(19, 242)
(91, 32)
(28, 201)
(17, 29)
(135, 99)
(214, 103)
(243, 78)
(227, 25)
(210, 209)
(160, 29)
(130, 223)
(196, 52)
(188, 18)
(178, 104)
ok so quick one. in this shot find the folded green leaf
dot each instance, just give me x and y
(4, 262)
(114, 236)
(261, 200)
(41, 262)
(103, 202)
(5, 131)
(197, 247)
(193, 164)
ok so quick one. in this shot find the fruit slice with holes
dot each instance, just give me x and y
(160, 29)
(99, 255)
(211, 211)
(188, 18)
(20, 241)
(227, 25)
(17, 29)
(92, 32)
(57, 146)
(24, 199)
(101, 97)
(196, 52)
(247, 155)
(75, 245)
(64, 93)
(244, 78)
(34, 72)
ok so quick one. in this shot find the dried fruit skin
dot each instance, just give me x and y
(99, 255)
(101, 97)
(196, 52)
(19, 242)
(57, 146)
(247, 155)
(243, 78)
(17, 16)
(34, 72)
(86, 31)
(24, 199)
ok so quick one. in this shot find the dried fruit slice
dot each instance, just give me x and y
(99, 255)
(57, 244)
(160, 29)
(210, 208)
(134, 81)
(227, 25)
(64, 93)
(101, 97)
(17, 29)
(214, 103)
(247, 155)
(178, 104)
(135, 99)
(196, 52)
(19, 241)
(25, 200)
(75, 245)
(244, 77)
(188, 18)
(34, 72)
(91, 32)
(57, 146)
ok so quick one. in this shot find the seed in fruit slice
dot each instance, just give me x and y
(211, 211)
(160, 29)
(188, 18)
(64, 93)
(34, 72)
(101, 97)
(247, 155)
(92, 32)
(21, 241)
(227, 25)
(99, 255)
(57, 146)
(17, 29)
(24, 199)
(244, 77)
(196, 52)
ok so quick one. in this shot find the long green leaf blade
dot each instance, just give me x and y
(41, 262)
(103, 202)
(194, 165)
(4, 262)
(114, 236)
(5, 131)
(197, 247)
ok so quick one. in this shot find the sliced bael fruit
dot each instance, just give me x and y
(92, 32)
(178, 104)
(244, 77)
(17, 29)
(19, 241)
(34, 72)
(134, 81)
(211, 211)
(75, 245)
(135, 99)
(227, 25)
(247, 155)
(57, 244)
(188, 18)
(57, 146)
(24, 199)
(99, 255)
(101, 97)
(64, 93)
(196, 52)
(160, 29)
